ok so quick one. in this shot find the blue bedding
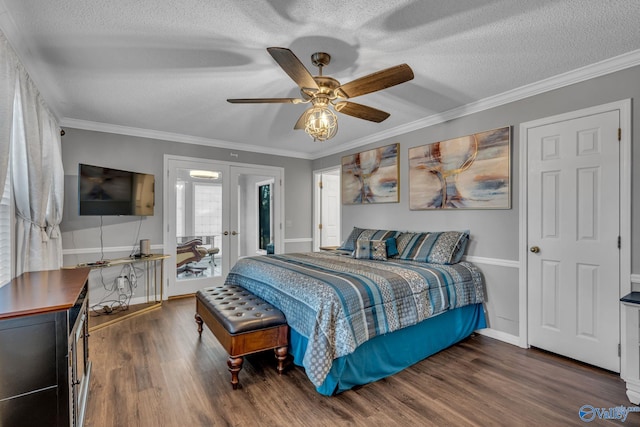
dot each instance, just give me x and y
(337, 303)
(391, 353)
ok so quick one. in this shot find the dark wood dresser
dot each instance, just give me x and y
(44, 354)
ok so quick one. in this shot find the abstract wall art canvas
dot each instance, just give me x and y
(471, 172)
(371, 176)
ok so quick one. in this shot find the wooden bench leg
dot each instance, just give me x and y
(235, 365)
(199, 322)
(281, 355)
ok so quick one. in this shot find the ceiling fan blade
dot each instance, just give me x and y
(361, 111)
(293, 67)
(266, 101)
(301, 121)
(377, 81)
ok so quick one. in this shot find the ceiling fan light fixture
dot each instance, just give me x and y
(321, 123)
(323, 92)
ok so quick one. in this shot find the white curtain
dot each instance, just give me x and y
(8, 64)
(38, 178)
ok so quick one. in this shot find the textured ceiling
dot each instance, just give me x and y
(164, 68)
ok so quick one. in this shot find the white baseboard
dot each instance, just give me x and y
(500, 336)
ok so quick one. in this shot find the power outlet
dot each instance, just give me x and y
(121, 281)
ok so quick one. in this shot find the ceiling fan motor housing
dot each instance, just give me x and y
(320, 59)
(327, 86)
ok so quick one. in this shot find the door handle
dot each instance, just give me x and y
(534, 249)
(226, 233)
(233, 233)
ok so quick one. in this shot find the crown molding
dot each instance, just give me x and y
(177, 137)
(601, 68)
(608, 66)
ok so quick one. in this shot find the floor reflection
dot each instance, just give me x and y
(206, 267)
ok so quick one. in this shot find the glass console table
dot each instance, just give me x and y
(153, 266)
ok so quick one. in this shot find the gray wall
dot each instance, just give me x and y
(494, 233)
(80, 234)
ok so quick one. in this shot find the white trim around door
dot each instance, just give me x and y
(229, 237)
(624, 107)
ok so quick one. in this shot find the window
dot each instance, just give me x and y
(265, 225)
(207, 209)
(5, 234)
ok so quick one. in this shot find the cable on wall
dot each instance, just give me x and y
(120, 291)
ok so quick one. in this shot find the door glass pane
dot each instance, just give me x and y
(264, 216)
(198, 223)
(255, 214)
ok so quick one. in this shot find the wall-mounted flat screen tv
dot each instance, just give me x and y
(105, 191)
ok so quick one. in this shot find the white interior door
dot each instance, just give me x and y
(327, 208)
(573, 211)
(330, 191)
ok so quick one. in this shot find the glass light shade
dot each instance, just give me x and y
(321, 123)
(204, 174)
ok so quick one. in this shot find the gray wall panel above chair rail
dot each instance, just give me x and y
(494, 233)
(83, 233)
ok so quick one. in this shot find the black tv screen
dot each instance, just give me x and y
(105, 191)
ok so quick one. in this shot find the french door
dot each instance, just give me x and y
(250, 186)
(211, 218)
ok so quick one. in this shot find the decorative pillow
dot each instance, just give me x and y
(403, 240)
(392, 247)
(366, 233)
(377, 234)
(439, 248)
(387, 235)
(350, 242)
(371, 249)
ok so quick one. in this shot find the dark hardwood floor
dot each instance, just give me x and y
(153, 370)
(99, 319)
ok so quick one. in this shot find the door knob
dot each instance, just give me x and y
(226, 233)
(233, 233)
(534, 249)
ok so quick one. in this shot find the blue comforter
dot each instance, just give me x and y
(338, 302)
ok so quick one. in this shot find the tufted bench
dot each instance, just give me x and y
(243, 324)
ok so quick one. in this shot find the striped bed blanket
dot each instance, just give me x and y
(338, 302)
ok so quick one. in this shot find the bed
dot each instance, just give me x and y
(358, 318)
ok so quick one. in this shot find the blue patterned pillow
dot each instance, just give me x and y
(365, 233)
(402, 241)
(392, 247)
(377, 234)
(439, 248)
(387, 235)
(371, 249)
(350, 242)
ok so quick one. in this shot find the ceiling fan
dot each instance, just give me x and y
(324, 91)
